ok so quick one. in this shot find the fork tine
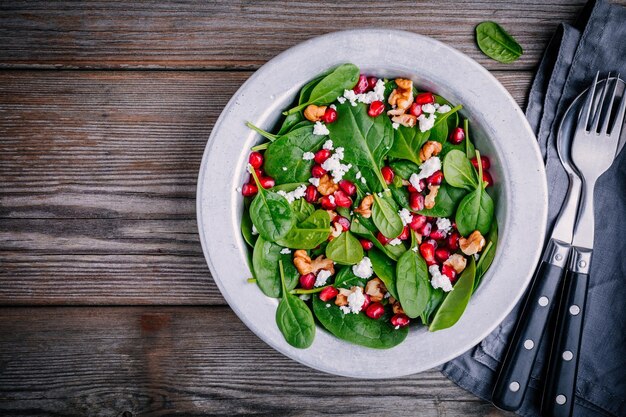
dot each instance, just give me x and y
(616, 129)
(586, 110)
(605, 125)
(600, 106)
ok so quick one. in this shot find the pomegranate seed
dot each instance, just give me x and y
(428, 253)
(267, 182)
(317, 171)
(371, 82)
(425, 230)
(437, 234)
(449, 271)
(432, 242)
(311, 195)
(366, 302)
(361, 85)
(256, 160)
(416, 109)
(367, 245)
(411, 189)
(435, 179)
(343, 222)
(327, 203)
(376, 108)
(484, 161)
(248, 190)
(382, 238)
(457, 135)
(307, 281)
(259, 173)
(342, 199)
(348, 187)
(487, 178)
(441, 254)
(416, 201)
(425, 98)
(406, 232)
(328, 293)
(321, 156)
(375, 311)
(453, 241)
(400, 320)
(330, 115)
(388, 174)
(418, 222)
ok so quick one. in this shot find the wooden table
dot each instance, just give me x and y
(108, 308)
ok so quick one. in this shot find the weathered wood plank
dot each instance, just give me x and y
(168, 361)
(245, 34)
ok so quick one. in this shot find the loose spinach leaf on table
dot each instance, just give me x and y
(271, 213)
(496, 43)
(412, 283)
(265, 259)
(345, 278)
(309, 233)
(294, 319)
(454, 304)
(487, 256)
(475, 211)
(345, 249)
(366, 141)
(386, 218)
(330, 86)
(358, 328)
(358, 228)
(407, 144)
(458, 170)
(385, 269)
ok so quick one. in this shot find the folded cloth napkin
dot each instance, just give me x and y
(597, 42)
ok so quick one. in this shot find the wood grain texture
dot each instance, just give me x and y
(187, 361)
(245, 34)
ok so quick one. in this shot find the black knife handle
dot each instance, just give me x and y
(558, 395)
(518, 363)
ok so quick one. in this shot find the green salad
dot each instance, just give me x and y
(367, 211)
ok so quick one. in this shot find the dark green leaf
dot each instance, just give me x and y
(246, 225)
(308, 234)
(271, 214)
(385, 269)
(345, 278)
(486, 258)
(302, 209)
(404, 169)
(496, 43)
(475, 212)
(456, 301)
(412, 283)
(407, 143)
(294, 319)
(436, 298)
(458, 170)
(358, 328)
(386, 218)
(345, 249)
(359, 228)
(265, 266)
(446, 201)
(290, 122)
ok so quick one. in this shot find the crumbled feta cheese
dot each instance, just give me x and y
(308, 156)
(285, 251)
(476, 256)
(406, 216)
(387, 295)
(350, 95)
(335, 167)
(428, 108)
(327, 305)
(363, 180)
(332, 106)
(358, 175)
(428, 168)
(328, 145)
(344, 309)
(395, 125)
(254, 231)
(305, 297)
(322, 277)
(363, 269)
(314, 181)
(414, 249)
(341, 100)
(396, 327)
(284, 168)
(377, 94)
(320, 129)
(426, 123)
(355, 301)
(331, 198)
(339, 152)
(395, 242)
(439, 280)
(444, 224)
(294, 195)
(444, 109)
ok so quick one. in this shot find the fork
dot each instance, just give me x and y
(593, 151)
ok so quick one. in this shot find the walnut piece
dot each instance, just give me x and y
(336, 230)
(406, 120)
(456, 261)
(474, 243)
(305, 265)
(365, 208)
(402, 97)
(314, 113)
(397, 308)
(429, 200)
(430, 148)
(342, 297)
(327, 186)
(376, 289)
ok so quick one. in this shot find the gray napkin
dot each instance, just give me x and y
(597, 42)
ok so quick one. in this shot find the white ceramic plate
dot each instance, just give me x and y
(500, 131)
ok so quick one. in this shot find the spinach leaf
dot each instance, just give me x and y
(271, 213)
(385, 269)
(287, 151)
(435, 300)
(345, 278)
(305, 92)
(246, 225)
(358, 228)
(496, 43)
(265, 259)
(302, 209)
(407, 143)
(386, 218)
(458, 170)
(290, 123)
(446, 201)
(308, 234)
(366, 140)
(412, 283)
(470, 151)
(475, 212)
(486, 258)
(345, 249)
(294, 319)
(358, 328)
(404, 169)
(330, 86)
(456, 301)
